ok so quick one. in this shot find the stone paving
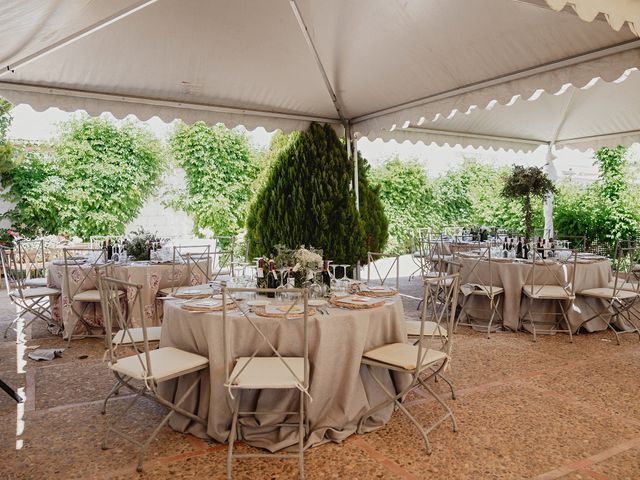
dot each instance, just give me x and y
(542, 410)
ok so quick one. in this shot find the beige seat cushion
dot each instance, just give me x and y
(479, 289)
(624, 285)
(166, 363)
(123, 338)
(268, 372)
(89, 296)
(36, 282)
(403, 355)
(546, 292)
(431, 329)
(37, 292)
(608, 293)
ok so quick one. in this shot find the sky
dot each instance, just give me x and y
(42, 126)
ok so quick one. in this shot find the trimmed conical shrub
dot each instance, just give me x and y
(307, 200)
(375, 222)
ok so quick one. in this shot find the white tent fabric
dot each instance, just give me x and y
(600, 113)
(617, 12)
(281, 64)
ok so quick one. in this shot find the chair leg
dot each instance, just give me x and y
(566, 321)
(301, 435)
(233, 434)
(163, 423)
(444, 405)
(105, 440)
(114, 391)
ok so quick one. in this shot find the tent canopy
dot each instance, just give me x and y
(599, 113)
(373, 64)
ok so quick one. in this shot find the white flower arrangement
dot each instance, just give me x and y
(307, 260)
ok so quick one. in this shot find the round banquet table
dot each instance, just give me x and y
(152, 277)
(341, 389)
(512, 275)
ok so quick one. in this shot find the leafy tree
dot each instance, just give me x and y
(6, 149)
(93, 180)
(220, 173)
(408, 200)
(307, 200)
(614, 217)
(523, 183)
(372, 213)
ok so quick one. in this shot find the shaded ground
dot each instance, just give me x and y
(546, 410)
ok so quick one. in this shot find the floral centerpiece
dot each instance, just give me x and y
(302, 263)
(139, 244)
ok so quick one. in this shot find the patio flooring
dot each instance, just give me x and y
(541, 410)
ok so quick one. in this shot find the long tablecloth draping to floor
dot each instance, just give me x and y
(513, 275)
(341, 389)
(152, 277)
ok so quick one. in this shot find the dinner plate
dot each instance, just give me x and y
(316, 302)
(258, 303)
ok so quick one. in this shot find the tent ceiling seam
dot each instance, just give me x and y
(569, 61)
(307, 37)
(69, 39)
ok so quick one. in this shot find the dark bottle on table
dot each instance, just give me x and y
(326, 278)
(552, 248)
(519, 248)
(109, 250)
(272, 280)
(511, 245)
(261, 281)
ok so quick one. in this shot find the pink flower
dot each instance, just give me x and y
(154, 282)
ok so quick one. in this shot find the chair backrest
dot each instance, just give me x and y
(13, 276)
(560, 269)
(384, 268)
(298, 299)
(31, 258)
(432, 249)
(116, 315)
(439, 307)
(78, 272)
(197, 259)
(478, 269)
(626, 268)
(223, 254)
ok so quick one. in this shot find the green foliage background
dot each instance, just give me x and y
(220, 173)
(92, 180)
(307, 200)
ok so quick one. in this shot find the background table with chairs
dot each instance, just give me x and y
(152, 276)
(341, 389)
(513, 274)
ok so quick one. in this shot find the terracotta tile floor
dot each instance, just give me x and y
(545, 410)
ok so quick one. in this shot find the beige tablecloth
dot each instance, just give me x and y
(342, 389)
(152, 277)
(512, 275)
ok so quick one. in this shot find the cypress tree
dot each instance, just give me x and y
(375, 222)
(307, 200)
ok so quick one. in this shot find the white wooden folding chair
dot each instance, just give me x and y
(78, 274)
(561, 271)
(621, 296)
(437, 334)
(418, 360)
(223, 257)
(31, 260)
(479, 286)
(147, 366)
(272, 371)
(35, 300)
(197, 261)
(382, 273)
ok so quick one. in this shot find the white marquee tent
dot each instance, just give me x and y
(597, 114)
(371, 65)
